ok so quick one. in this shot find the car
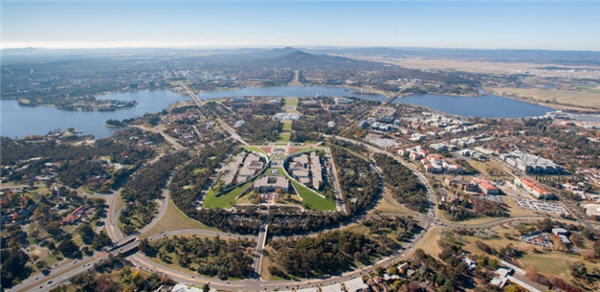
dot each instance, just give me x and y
(49, 282)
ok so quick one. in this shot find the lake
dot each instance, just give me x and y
(289, 91)
(487, 106)
(17, 121)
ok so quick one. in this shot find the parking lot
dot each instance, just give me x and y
(541, 206)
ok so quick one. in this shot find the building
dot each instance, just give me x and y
(592, 210)
(562, 235)
(287, 116)
(462, 185)
(271, 183)
(534, 188)
(538, 239)
(300, 173)
(75, 216)
(316, 170)
(529, 163)
(486, 187)
(356, 285)
(332, 288)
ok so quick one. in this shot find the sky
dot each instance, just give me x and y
(553, 25)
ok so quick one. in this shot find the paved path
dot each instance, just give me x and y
(260, 245)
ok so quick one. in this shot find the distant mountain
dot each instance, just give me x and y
(299, 59)
(500, 55)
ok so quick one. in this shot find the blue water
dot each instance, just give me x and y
(289, 91)
(18, 121)
(487, 106)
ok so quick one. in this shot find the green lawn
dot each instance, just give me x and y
(291, 101)
(311, 200)
(175, 219)
(225, 200)
(284, 137)
(287, 125)
(255, 149)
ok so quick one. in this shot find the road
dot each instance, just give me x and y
(168, 138)
(260, 245)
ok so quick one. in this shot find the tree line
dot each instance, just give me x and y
(144, 187)
(405, 186)
(207, 256)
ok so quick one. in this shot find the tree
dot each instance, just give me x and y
(101, 240)
(14, 267)
(147, 248)
(578, 270)
(545, 225)
(205, 288)
(87, 233)
(68, 248)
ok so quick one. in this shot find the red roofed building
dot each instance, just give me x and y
(533, 187)
(74, 216)
(486, 187)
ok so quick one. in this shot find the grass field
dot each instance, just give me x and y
(284, 137)
(311, 200)
(225, 200)
(487, 167)
(429, 243)
(255, 149)
(553, 263)
(175, 219)
(384, 206)
(583, 97)
(287, 125)
(291, 101)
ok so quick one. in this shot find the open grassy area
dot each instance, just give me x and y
(45, 255)
(488, 167)
(429, 243)
(311, 200)
(496, 242)
(357, 228)
(554, 263)
(284, 137)
(384, 206)
(175, 219)
(291, 101)
(255, 149)
(583, 97)
(287, 125)
(225, 200)
(479, 220)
